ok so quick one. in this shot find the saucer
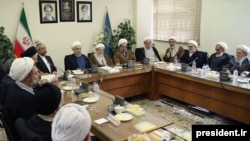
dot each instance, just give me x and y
(123, 116)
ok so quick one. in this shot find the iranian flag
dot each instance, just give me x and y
(23, 37)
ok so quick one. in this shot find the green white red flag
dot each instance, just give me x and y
(23, 38)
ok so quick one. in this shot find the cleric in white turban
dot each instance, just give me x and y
(77, 60)
(192, 55)
(99, 58)
(172, 38)
(122, 41)
(75, 44)
(122, 55)
(220, 58)
(223, 45)
(71, 123)
(193, 42)
(241, 62)
(20, 68)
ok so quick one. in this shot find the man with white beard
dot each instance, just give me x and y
(240, 62)
(19, 99)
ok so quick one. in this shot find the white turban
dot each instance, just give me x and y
(223, 45)
(76, 43)
(122, 41)
(147, 38)
(244, 48)
(20, 68)
(100, 45)
(172, 38)
(193, 42)
(71, 123)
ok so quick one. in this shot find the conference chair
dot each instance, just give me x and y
(204, 56)
(25, 132)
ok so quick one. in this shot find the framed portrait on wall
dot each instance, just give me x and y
(67, 10)
(48, 11)
(84, 11)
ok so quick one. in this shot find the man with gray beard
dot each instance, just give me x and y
(19, 99)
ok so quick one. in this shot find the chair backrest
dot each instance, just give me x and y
(204, 56)
(25, 132)
(89, 54)
(8, 132)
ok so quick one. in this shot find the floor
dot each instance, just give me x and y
(180, 113)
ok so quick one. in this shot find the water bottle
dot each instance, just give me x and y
(96, 86)
(203, 70)
(73, 83)
(175, 60)
(235, 75)
(96, 89)
(165, 136)
(194, 67)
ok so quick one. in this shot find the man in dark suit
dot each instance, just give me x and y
(192, 54)
(44, 62)
(148, 51)
(77, 60)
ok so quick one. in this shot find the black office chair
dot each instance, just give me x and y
(25, 132)
(204, 56)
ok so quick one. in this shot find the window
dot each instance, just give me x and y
(179, 18)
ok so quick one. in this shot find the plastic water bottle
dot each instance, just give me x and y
(96, 86)
(194, 67)
(203, 70)
(235, 75)
(73, 83)
(165, 136)
(175, 60)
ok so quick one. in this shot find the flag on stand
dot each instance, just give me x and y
(107, 36)
(23, 37)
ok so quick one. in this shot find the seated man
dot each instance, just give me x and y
(77, 60)
(20, 95)
(47, 101)
(99, 58)
(44, 62)
(71, 123)
(220, 58)
(172, 51)
(240, 62)
(122, 55)
(32, 53)
(147, 52)
(192, 55)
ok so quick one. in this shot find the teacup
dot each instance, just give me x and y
(119, 109)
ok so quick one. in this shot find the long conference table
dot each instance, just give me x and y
(225, 98)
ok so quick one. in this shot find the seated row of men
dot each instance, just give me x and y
(218, 61)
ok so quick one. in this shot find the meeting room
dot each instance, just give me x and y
(124, 70)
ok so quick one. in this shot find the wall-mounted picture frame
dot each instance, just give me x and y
(84, 11)
(67, 10)
(48, 11)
